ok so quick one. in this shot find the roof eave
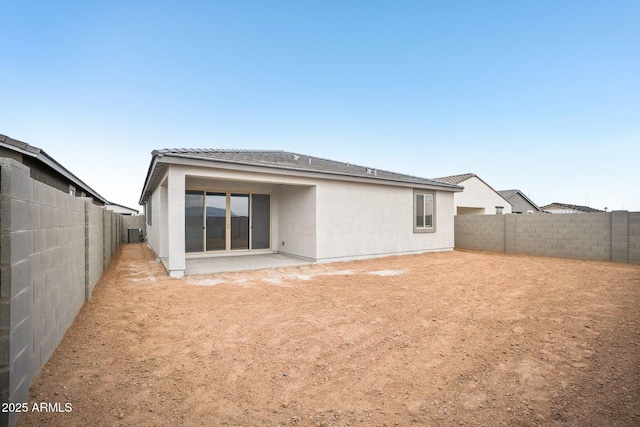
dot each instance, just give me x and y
(43, 157)
(432, 184)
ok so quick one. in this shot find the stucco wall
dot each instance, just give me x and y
(158, 225)
(358, 220)
(297, 229)
(315, 216)
(520, 205)
(478, 195)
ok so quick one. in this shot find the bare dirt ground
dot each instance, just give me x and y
(440, 339)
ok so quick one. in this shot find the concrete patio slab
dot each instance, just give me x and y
(207, 265)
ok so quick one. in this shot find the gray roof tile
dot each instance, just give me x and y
(279, 159)
(456, 179)
(294, 161)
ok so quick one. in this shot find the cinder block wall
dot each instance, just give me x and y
(607, 236)
(94, 262)
(132, 221)
(634, 237)
(52, 253)
(480, 232)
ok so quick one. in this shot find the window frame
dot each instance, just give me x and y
(149, 211)
(432, 195)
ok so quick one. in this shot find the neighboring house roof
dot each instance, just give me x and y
(457, 179)
(38, 154)
(510, 193)
(121, 208)
(572, 207)
(278, 159)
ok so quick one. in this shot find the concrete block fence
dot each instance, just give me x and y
(54, 248)
(605, 236)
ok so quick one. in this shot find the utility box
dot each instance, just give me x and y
(135, 235)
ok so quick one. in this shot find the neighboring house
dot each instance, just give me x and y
(477, 198)
(122, 210)
(46, 169)
(520, 203)
(239, 202)
(567, 208)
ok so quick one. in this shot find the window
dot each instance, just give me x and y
(147, 211)
(72, 190)
(226, 221)
(423, 212)
(499, 210)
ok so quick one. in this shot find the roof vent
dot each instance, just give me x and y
(296, 157)
(309, 160)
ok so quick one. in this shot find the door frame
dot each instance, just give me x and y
(228, 193)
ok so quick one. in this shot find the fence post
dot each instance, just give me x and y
(16, 294)
(510, 233)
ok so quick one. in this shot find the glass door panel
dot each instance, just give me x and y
(216, 230)
(239, 221)
(260, 221)
(194, 221)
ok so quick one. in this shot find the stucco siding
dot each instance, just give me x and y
(521, 205)
(297, 226)
(158, 220)
(364, 220)
(318, 218)
(479, 196)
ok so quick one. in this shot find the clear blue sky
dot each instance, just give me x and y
(543, 96)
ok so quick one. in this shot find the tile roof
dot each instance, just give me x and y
(572, 207)
(456, 179)
(507, 193)
(41, 156)
(279, 159)
(288, 160)
(510, 193)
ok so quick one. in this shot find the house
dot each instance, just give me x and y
(212, 203)
(477, 198)
(520, 203)
(47, 170)
(122, 210)
(567, 208)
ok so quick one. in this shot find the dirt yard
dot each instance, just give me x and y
(441, 339)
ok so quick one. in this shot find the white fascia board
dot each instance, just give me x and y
(152, 167)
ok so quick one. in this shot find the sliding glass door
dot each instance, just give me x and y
(239, 221)
(260, 221)
(222, 221)
(193, 221)
(216, 226)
